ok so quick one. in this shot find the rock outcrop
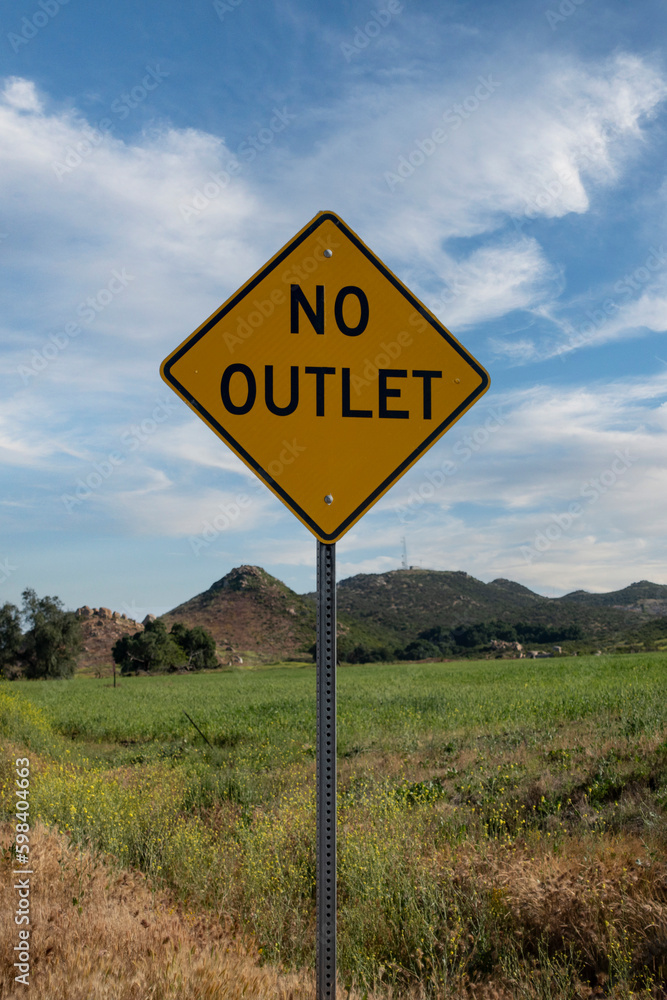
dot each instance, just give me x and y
(100, 629)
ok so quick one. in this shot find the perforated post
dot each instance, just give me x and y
(326, 772)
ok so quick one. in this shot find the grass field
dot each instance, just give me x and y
(502, 824)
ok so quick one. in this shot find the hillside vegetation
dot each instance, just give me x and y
(250, 609)
(102, 933)
(405, 602)
(396, 615)
(430, 613)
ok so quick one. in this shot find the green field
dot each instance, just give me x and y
(499, 821)
(380, 707)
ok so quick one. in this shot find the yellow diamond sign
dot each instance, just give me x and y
(326, 376)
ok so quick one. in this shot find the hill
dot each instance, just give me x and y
(250, 610)
(405, 602)
(644, 597)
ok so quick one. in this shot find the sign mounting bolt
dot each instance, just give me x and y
(328, 253)
(328, 499)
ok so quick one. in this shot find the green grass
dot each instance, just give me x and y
(263, 718)
(463, 788)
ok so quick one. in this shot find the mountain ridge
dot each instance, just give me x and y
(252, 612)
(406, 601)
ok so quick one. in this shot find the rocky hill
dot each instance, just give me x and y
(644, 597)
(250, 610)
(100, 629)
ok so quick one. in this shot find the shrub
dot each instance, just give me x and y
(10, 637)
(157, 649)
(419, 649)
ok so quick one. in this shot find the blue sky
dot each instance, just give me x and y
(535, 230)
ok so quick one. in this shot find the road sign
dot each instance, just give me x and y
(326, 376)
(329, 379)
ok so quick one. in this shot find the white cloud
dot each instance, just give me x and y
(491, 282)
(161, 508)
(533, 149)
(193, 442)
(288, 544)
(21, 94)
(27, 442)
(108, 205)
(629, 314)
(117, 208)
(648, 312)
(597, 560)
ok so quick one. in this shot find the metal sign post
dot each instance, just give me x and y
(326, 772)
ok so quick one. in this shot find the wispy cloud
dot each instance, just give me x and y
(492, 282)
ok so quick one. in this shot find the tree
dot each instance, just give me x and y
(152, 649)
(52, 641)
(11, 636)
(197, 644)
(362, 653)
(123, 653)
(419, 649)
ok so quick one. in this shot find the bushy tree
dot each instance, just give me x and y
(349, 651)
(441, 637)
(470, 636)
(547, 633)
(152, 649)
(368, 654)
(11, 637)
(467, 637)
(52, 640)
(157, 649)
(419, 649)
(197, 644)
(126, 654)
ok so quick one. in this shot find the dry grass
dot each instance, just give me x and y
(487, 918)
(604, 899)
(596, 898)
(120, 941)
(99, 932)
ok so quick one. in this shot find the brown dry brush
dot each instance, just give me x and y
(593, 910)
(611, 910)
(520, 918)
(101, 932)
(526, 923)
(97, 932)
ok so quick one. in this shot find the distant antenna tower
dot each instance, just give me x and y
(404, 564)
